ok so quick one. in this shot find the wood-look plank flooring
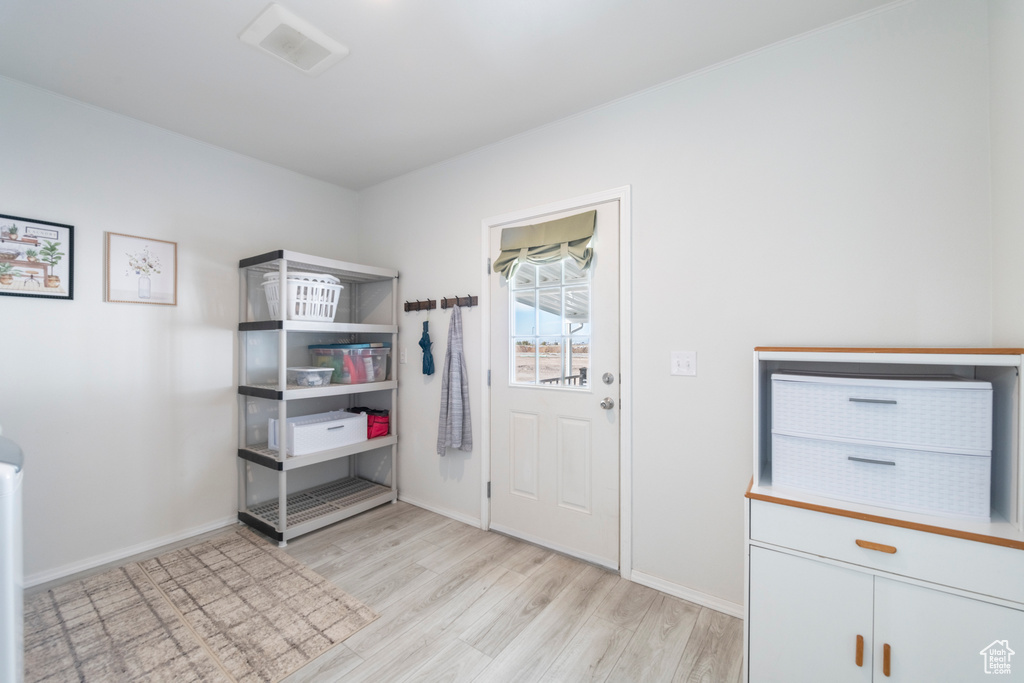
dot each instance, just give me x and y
(460, 604)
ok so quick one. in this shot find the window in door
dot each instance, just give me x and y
(550, 340)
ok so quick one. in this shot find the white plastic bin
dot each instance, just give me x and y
(920, 444)
(320, 432)
(951, 414)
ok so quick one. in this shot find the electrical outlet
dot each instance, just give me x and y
(684, 363)
(403, 357)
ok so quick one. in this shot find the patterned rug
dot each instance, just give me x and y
(233, 608)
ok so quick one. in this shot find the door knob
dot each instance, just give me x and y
(608, 403)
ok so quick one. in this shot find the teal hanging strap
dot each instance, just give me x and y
(428, 357)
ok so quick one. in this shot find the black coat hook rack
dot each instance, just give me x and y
(448, 302)
(418, 305)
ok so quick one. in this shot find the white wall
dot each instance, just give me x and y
(1006, 25)
(126, 412)
(833, 190)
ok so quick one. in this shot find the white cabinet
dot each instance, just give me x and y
(937, 636)
(808, 620)
(812, 621)
(926, 594)
(284, 495)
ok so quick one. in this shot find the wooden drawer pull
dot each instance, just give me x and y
(860, 651)
(871, 545)
(886, 658)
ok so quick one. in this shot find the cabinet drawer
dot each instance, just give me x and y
(902, 479)
(943, 415)
(968, 565)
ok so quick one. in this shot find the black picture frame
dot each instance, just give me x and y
(38, 257)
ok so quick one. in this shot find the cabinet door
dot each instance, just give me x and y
(935, 636)
(805, 619)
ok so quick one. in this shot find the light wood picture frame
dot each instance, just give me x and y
(141, 270)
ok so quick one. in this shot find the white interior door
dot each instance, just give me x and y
(554, 418)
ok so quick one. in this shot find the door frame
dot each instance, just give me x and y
(622, 195)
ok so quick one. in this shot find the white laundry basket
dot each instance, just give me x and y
(12, 666)
(311, 296)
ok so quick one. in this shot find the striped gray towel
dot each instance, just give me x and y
(453, 425)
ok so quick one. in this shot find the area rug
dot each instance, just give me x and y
(233, 608)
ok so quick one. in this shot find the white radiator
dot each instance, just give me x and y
(11, 577)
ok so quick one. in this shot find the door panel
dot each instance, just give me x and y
(935, 636)
(805, 617)
(574, 464)
(523, 450)
(554, 449)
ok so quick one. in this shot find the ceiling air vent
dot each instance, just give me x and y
(293, 40)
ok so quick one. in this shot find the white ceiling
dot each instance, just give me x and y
(426, 80)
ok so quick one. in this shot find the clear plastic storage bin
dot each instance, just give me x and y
(352, 363)
(309, 377)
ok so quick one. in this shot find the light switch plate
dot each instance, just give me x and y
(403, 357)
(684, 363)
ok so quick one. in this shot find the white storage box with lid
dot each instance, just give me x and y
(320, 432)
(922, 445)
(311, 296)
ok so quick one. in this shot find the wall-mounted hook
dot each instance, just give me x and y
(420, 305)
(465, 301)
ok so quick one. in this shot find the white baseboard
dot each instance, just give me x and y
(592, 559)
(107, 558)
(688, 594)
(457, 516)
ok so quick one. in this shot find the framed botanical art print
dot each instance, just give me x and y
(141, 270)
(36, 258)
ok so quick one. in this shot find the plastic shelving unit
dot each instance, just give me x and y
(358, 476)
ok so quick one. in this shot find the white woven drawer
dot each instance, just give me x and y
(902, 479)
(953, 416)
(312, 433)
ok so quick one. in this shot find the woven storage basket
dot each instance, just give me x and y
(941, 415)
(922, 445)
(917, 481)
(311, 296)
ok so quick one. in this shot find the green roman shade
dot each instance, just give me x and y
(547, 243)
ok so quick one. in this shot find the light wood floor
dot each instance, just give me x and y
(460, 604)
